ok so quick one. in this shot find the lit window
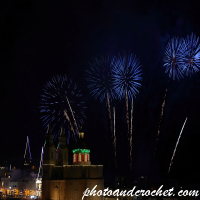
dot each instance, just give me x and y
(76, 158)
(79, 158)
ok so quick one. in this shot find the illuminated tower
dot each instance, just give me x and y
(62, 150)
(81, 153)
(49, 157)
(27, 154)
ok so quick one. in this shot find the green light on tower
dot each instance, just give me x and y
(82, 150)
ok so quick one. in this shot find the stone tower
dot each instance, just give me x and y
(81, 152)
(49, 157)
(62, 150)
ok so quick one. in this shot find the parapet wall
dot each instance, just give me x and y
(83, 172)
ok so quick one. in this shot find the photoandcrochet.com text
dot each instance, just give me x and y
(134, 192)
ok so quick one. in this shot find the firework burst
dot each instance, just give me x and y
(126, 75)
(174, 60)
(192, 57)
(62, 105)
(99, 77)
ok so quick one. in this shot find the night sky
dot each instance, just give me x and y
(42, 39)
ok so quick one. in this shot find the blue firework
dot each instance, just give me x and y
(174, 60)
(62, 105)
(192, 57)
(126, 75)
(99, 78)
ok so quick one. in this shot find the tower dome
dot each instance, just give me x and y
(81, 152)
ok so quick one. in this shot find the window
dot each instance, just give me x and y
(79, 158)
(88, 157)
(82, 158)
(76, 158)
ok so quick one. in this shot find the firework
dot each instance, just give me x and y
(126, 81)
(61, 104)
(192, 57)
(99, 78)
(126, 78)
(174, 60)
(176, 146)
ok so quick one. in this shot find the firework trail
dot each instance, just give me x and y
(127, 113)
(41, 162)
(67, 117)
(176, 145)
(99, 78)
(72, 114)
(192, 56)
(131, 134)
(59, 96)
(161, 115)
(126, 78)
(108, 101)
(115, 150)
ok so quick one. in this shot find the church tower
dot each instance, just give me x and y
(62, 150)
(81, 152)
(49, 157)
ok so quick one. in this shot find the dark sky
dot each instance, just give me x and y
(41, 39)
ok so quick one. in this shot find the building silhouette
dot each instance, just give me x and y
(62, 181)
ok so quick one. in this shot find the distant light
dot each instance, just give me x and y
(38, 181)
